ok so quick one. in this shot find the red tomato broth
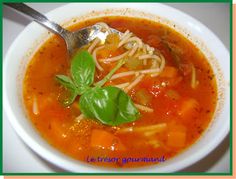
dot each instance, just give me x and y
(57, 125)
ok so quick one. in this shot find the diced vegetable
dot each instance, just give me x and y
(105, 140)
(134, 63)
(176, 139)
(188, 108)
(172, 94)
(110, 48)
(176, 136)
(143, 97)
(169, 72)
(113, 39)
(111, 43)
(103, 53)
(109, 51)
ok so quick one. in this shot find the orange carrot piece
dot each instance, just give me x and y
(105, 140)
(188, 108)
(108, 51)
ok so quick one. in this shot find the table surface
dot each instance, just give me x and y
(17, 157)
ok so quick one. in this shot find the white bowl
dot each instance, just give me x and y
(33, 35)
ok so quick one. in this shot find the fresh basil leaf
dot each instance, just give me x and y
(82, 69)
(82, 72)
(110, 105)
(66, 82)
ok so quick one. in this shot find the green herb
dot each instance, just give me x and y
(82, 73)
(82, 69)
(110, 105)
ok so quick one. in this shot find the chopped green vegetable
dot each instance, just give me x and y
(134, 63)
(110, 105)
(143, 97)
(172, 94)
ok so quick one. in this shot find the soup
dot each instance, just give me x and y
(134, 100)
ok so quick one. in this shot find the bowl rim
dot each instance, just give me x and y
(53, 158)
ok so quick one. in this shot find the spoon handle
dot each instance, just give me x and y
(40, 18)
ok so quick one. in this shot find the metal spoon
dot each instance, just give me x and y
(73, 40)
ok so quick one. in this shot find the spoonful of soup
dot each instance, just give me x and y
(73, 40)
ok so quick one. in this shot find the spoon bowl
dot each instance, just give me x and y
(73, 40)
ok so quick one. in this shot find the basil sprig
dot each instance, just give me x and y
(110, 105)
